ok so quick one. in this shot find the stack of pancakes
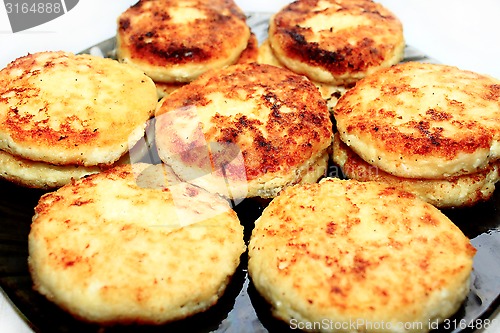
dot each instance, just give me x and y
(174, 42)
(63, 116)
(333, 42)
(430, 129)
(247, 130)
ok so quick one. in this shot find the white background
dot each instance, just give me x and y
(462, 33)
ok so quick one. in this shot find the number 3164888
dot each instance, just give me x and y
(33, 8)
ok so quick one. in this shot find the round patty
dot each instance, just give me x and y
(247, 130)
(336, 41)
(420, 120)
(457, 191)
(179, 40)
(132, 245)
(61, 108)
(349, 252)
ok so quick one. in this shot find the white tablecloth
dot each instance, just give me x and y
(462, 33)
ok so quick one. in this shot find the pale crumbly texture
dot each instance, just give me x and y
(66, 109)
(176, 41)
(330, 93)
(420, 120)
(336, 41)
(46, 176)
(132, 245)
(247, 130)
(458, 191)
(349, 252)
(39, 174)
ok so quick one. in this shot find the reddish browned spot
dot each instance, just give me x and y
(438, 115)
(72, 130)
(330, 228)
(493, 93)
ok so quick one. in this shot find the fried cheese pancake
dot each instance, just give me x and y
(458, 191)
(176, 41)
(130, 245)
(420, 120)
(66, 109)
(331, 93)
(336, 41)
(248, 55)
(358, 252)
(248, 129)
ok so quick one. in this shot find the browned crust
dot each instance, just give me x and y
(422, 140)
(24, 128)
(334, 52)
(57, 107)
(150, 35)
(317, 250)
(280, 142)
(354, 167)
(72, 243)
(425, 134)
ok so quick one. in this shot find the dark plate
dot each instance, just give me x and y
(240, 309)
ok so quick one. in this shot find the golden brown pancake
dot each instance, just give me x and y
(248, 129)
(420, 120)
(66, 109)
(457, 191)
(358, 253)
(336, 41)
(133, 245)
(176, 41)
